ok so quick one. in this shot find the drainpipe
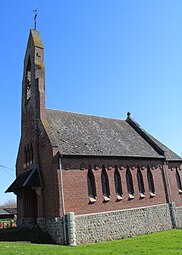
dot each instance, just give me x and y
(171, 206)
(62, 196)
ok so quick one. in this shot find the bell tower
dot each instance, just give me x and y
(33, 84)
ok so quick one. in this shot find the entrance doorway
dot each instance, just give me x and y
(30, 205)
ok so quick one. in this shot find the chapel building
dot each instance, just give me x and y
(86, 178)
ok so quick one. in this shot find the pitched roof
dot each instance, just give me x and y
(80, 134)
(36, 38)
(3, 212)
(29, 178)
(11, 210)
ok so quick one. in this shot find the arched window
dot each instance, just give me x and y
(117, 182)
(28, 80)
(25, 157)
(178, 179)
(150, 182)
(129, 181)
(91, 185)
(141, 187)
(105, 184)
(31, 154)
(28, 155)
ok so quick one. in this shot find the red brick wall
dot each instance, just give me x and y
(76, 189)
(48, 202)
(49, 176)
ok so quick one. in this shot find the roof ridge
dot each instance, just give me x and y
(86, 114)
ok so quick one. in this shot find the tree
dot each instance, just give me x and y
(10, 203)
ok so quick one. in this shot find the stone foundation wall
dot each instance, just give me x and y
(179, 216)
(97, 227)
(55, 228)
(114, 225)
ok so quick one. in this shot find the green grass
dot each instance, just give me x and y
(168, 243)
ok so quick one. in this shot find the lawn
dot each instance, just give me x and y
(167, 243)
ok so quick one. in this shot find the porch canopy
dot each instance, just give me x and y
(28, 179)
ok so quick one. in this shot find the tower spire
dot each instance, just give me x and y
(33, 85)
(35, 18)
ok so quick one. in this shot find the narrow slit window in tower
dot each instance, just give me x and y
(28, 82)
(31, 154)
(25, 157)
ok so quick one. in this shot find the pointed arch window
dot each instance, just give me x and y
(105, 185)
(91, 185)
(25, 157)
(28, 82)
(129, 181)
(150, 182)
(178, 180)
(28, 155)
(117, 182)
(31, 153)
(141, 187)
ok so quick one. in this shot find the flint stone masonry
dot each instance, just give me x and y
(105, 226)
(91, 228)
(54, 226)
(179, 216)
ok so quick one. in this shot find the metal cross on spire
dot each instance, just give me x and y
(35, 18)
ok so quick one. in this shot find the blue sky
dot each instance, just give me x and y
(102, 57)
